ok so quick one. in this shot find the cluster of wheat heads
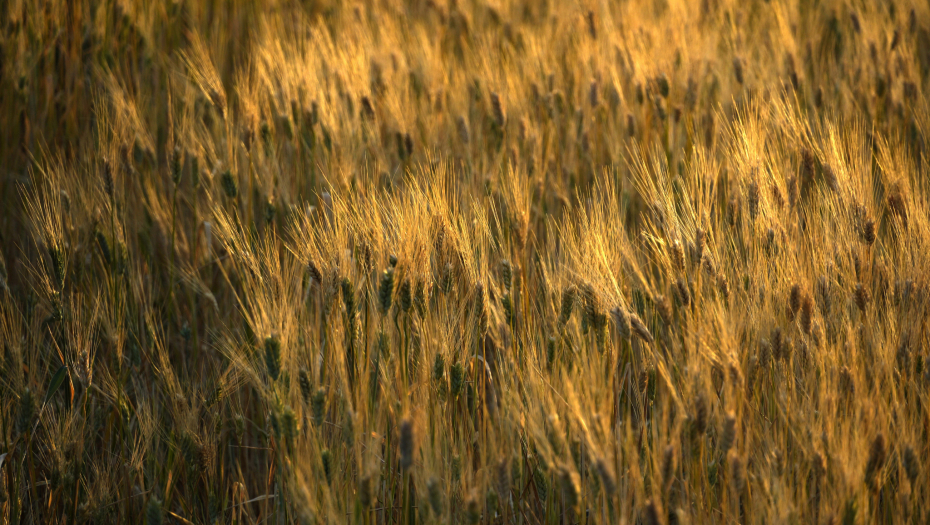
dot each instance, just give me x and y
(464, 262)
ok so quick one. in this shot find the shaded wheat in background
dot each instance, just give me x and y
(464, 262)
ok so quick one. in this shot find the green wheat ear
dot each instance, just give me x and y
(289, 426)
(405, 295)
(456, 379)
(26, 412)
(273, 357)
(439, 368)
(153, 512)
(228, 183)
(435, 496)
(507, 274)
(875, 463)
(318, 405)
(365, 492)
(306, 385)
(58, 266)
(327, 458)
(406, 444)
(177, 165)
(568, 302)
(386, 290)
(195, 171)
(108, 186)
(550, 353)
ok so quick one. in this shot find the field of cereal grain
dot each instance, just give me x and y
(464, 261)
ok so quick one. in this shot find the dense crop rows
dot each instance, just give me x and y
(474, 261)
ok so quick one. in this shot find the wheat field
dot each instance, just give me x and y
(464, 261)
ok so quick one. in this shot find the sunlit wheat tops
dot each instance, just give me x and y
(464, 262)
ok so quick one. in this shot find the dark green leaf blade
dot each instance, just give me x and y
(56, 382)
